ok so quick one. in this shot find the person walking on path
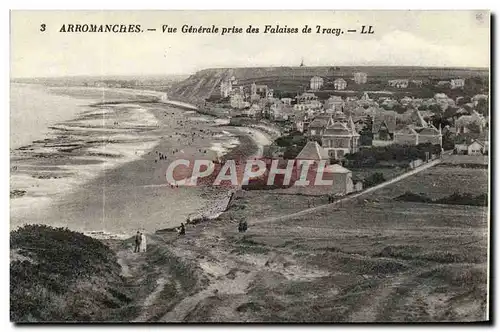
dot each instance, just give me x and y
(182, 229)
(143, 242)
(137, 241)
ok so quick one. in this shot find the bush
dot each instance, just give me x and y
(370, 157)
(64, 276)
(453, 199)
(373, 180)
(411, 197)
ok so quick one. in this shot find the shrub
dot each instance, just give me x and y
(66, 276)
(373, 180)
(453, 199)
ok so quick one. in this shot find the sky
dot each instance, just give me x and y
(401, 38)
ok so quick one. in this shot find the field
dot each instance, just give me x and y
(369, 259)
(438, 182)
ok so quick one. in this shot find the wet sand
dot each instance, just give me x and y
(133, 195)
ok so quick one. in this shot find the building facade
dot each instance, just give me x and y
(457, 83)
(340, 139)
(339, 84)
(316, 83)
(360, 77)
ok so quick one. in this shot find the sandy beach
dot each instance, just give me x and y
(101, 173)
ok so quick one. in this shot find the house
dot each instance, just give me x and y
(476, 148)
(284, 113)
(270, 94)
(475, 100)
(457, 83)
(400, 84)
(252, 111)
(384, 125)
(461, 146)
(339, 84)
(237, 101)
(406, 101)
(334, 103)
(340, 138)
(442, 100)
(339, 116)
(412, 135)
(406, 136)
(389, 103)
(306, 97)
(319, 124)
(417, 83)
(343, 183)
(259, 90)
(470, 143)
(360, 77)
(316, 83)
(275, 109)
(306, 101)
(287, 101)
(464, 122)
(225, 88)
(430, 135)
(312, 151)
(302, 121)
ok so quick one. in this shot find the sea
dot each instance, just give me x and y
(33, 109)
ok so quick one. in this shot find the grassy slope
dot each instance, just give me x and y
(60, 275)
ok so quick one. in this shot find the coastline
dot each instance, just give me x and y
(114, 174)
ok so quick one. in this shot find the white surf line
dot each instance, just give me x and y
(347, 198)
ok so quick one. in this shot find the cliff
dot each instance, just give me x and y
(205, 83)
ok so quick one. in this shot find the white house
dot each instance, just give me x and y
(316, 82)
(476, 148)
(457, 83)
(339, 84)
(360, 77)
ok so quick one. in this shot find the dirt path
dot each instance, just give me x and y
(374, 304)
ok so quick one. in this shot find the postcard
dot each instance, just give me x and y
(250, 166)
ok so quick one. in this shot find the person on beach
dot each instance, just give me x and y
(242, 226)
(137, 241)
(182, 229)
(143, 246)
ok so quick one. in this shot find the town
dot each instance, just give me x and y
(378, 128)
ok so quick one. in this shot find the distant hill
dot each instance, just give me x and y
(205, 83)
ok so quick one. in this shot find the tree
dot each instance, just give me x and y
(399, 109)
(448, 141)
(482, 107)
(474, 128)
(373, 180)
(449, 112)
